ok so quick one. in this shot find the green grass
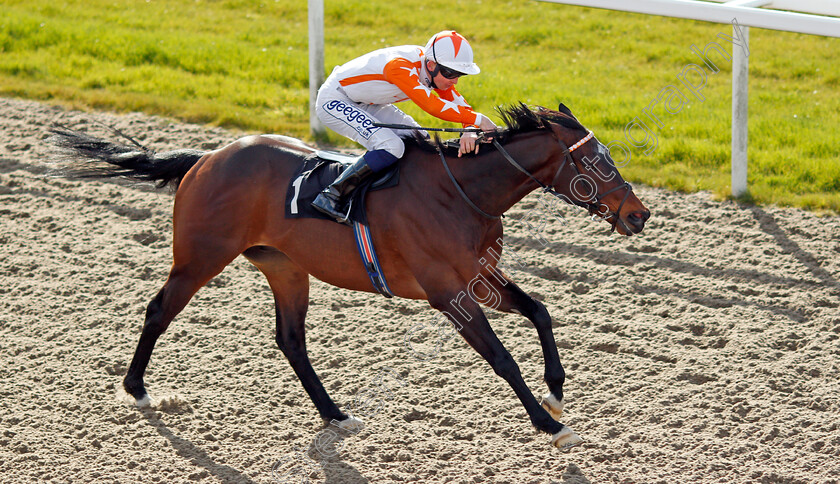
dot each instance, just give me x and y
(243, 64)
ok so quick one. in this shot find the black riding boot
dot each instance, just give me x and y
(331, 200)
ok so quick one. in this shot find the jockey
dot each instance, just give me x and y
(361, 92)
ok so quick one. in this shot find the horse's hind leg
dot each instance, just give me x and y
(290, 286)
(513, 299)
(183, 282)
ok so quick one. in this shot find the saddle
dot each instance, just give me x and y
(319, 170)
(322, 168)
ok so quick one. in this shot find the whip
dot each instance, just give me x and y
(449, 130)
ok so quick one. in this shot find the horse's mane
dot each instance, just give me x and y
(518, 119)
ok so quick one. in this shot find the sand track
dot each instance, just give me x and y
(705, 350)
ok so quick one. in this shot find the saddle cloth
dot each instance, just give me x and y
(318, 171)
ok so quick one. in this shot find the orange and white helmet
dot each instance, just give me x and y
(450, 49)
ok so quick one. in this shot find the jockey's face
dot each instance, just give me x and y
(441, 82)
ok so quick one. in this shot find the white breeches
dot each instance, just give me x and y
(355, 120)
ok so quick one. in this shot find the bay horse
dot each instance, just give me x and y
(435, 232)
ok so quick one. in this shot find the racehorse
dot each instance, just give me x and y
(436, 231)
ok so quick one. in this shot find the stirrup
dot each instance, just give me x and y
(329, 208)
(346, 218)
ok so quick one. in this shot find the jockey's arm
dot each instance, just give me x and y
(448, 105)
(405, 76)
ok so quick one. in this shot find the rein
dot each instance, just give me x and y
(594, 206)
(567, 155)
(462, 192)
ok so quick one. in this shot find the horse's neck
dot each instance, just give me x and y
(496, 184)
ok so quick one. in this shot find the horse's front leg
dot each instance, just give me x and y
(476, 330)
(512, 299)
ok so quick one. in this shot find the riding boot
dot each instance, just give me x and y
(331, 200)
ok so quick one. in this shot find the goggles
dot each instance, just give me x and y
(449, 73)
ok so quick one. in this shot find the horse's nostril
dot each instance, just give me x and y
(638, 218)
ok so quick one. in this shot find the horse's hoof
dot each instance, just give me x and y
(553, 406)
(565, 439)
(144, 402)
(350, 424)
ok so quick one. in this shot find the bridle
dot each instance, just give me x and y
(593, 206)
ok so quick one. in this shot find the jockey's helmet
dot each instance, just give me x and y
(451, 50)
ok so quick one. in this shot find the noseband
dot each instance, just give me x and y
(593, 206)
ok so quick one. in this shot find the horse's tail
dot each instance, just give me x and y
(107, 159)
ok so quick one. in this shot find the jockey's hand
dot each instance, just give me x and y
(469, 140)
(469, 143)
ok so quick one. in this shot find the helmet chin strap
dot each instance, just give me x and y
(432, 74)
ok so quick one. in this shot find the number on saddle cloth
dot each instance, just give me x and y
(316, 173)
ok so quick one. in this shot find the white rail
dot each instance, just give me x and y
(748, 13)
(316, 61)
(724, 12)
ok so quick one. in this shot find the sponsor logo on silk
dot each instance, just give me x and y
(354, 117)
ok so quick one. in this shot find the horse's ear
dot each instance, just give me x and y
(563, 109)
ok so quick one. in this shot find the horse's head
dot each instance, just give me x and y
(586, 174)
